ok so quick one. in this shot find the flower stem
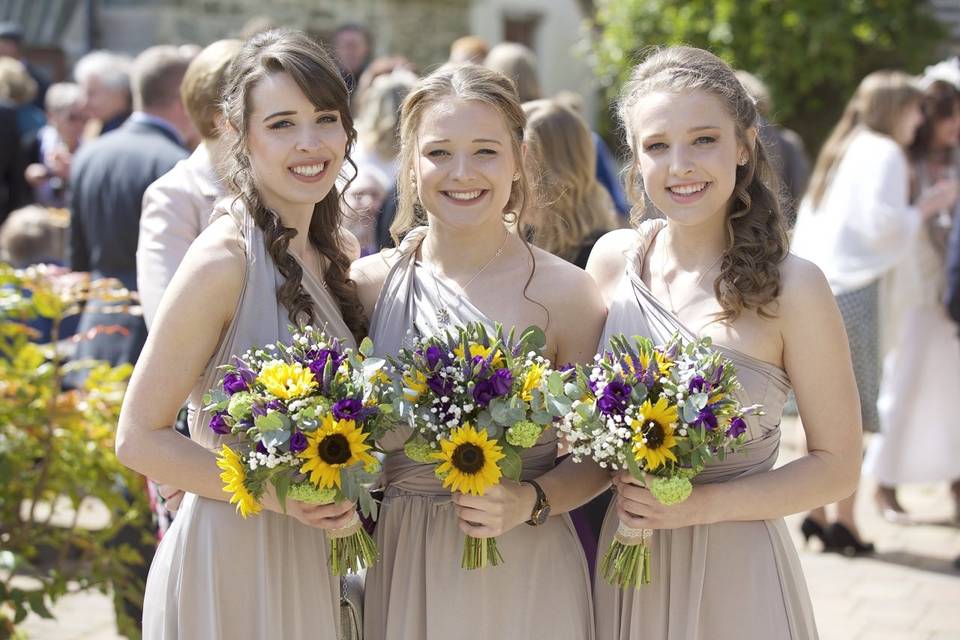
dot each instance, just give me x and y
(352, 553)
(480, 552)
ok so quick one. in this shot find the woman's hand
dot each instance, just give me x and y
(170, 497)
(638, 509)
(336, 515)
(501, 508)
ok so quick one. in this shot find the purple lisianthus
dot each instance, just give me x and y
(738, 426)
(706, 419)
(298, 442)
(258, 409)
(697, 384)
(261, 448)
(218, 424)
(348, 409)
(502, 381)
(615, 397)
(440, 386)
(234, 382)
(483, 392)
(320, 357)
(277, 405)
(435, 356)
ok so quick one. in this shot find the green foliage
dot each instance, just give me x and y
(810, 53)
(57, 457)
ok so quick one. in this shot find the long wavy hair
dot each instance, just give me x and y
(756, 232)
(878, 104)
(294, 53)
(941, 101)
(572, 204)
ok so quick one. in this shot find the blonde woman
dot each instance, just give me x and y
(573, 209)
(463, 185)
(378, 121)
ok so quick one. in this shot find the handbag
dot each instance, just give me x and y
(351, 606)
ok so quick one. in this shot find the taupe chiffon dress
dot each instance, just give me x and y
(216, 575)
(418, 591)
(724, 581)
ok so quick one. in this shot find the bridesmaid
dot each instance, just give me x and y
(723, 564)
(272, 256)
(462, 179)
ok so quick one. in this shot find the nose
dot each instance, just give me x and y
(680, 161)
(309, 139)
(461, 167)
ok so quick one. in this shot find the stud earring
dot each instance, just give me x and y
(742, 161)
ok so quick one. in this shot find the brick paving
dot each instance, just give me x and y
(908, 591)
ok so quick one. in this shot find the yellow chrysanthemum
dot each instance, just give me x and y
(482, 351)
(414, 384)
(335, 444)
(664, 364)
(653, 438)
(287, 381)
(469, 461)
(233, 476)
(531, 380)
(380, 376)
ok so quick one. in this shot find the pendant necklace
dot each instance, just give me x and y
(699, 280)
(443, 313)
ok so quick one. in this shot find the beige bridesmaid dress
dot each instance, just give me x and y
(216, 575)
(418, 591)
(724, 581)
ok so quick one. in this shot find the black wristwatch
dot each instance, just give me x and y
(541, 508)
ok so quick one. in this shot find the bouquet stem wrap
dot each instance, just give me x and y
(351, 548)
(480, 552)
(627, 561)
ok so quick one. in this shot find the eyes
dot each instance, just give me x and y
(699, 141)
(323, 118)
(442, 153)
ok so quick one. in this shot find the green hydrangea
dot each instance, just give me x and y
(419, 450)
(241, 405)
(670, 491)
(311, 494)
(524, 434)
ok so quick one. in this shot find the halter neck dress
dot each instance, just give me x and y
(215, 574)
(418, 591)
(723, 581)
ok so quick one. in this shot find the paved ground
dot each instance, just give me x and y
(908, 591)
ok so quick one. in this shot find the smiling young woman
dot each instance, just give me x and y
(463, 188)
(723, 563)
(273, 256)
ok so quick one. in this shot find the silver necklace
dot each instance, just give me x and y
(666, 285)
(443, 313)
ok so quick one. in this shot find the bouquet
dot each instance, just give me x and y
(305, 416)
(660, 412)
(474, 400)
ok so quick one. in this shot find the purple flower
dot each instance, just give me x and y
(277, 405)
(717, 374)
(348, 409)
(434, 356)
(319, 359)
(567, 367)
(218, 424)
(706, 419)
(234, 382)
(738, 427)
(298, 442)
(615, 397)
(697, 384)
(440, 386)
(258, 409)
(261, 448)
(502, 381)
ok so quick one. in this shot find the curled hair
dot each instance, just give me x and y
(941, 101)
(311, 68)
(573, 204)
(756, 234)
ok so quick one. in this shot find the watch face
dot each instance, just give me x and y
(542, 514)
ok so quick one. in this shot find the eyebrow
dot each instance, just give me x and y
(691, 130)
(484, 140)
(293, 113)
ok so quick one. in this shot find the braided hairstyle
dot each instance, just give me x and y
(312, 69)
(756, 232)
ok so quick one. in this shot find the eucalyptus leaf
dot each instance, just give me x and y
(366, 347)
(633, 466)
(281, 482)
(689, 411)
(571, 390)
(275, 438)
(533, 339)
(700, 400)
(555, 383)
(511, 464)
(269, 422)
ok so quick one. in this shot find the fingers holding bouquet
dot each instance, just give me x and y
(336, 515)
(501, 508)
(638, 508)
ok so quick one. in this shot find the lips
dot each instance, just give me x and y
(309, 170)
(465, 196)
(687, 189)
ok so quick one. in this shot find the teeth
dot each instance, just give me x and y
(309, 170)
(464, 195)
(687, 189)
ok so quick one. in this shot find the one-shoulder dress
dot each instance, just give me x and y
(418, 591)
(215, 574)
(723, 581)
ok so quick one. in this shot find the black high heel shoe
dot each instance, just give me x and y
(810, 528)
(843, 540)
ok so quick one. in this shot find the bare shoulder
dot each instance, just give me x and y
(216, 261)
(802, 284)
(609, 257)
(369, 273)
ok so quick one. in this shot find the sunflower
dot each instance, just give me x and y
(233, 478)
(335, 444)
(469, 460)
(531, 380)
(415, 383)
(653, 437)
(482, 351)
(286, 381)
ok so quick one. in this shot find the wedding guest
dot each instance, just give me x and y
(50, 152)
(364, 198)
(716, 265)
(11, 46)
(18, 88)
(468, 49)
(272, 256)
(378, 121)
(856, 223)
(105, 78)
(30, 235)
(921, 372)
(518, 63)
(463, 186)
(353, 50)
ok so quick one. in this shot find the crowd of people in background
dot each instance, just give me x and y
(116, 170)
